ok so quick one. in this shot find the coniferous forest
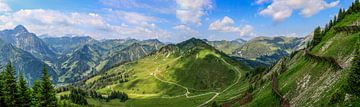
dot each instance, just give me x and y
(15, 91)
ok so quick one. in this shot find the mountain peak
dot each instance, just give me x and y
(153, 40)
(240, 40)
(20, 28)
(193, 41)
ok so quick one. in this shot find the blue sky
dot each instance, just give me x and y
(169, 20)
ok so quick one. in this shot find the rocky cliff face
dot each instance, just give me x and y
(21, 38)
(23, 61)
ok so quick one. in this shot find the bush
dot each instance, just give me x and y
(76, 96)
(337, 97)
(120, 95)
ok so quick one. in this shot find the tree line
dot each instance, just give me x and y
(78, 96)
(320, 33)
(15, 91)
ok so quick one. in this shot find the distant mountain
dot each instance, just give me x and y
(23, 61)
(64, 45)
(120, 44)
(128, 54)
(227, 47)
(21, 38)
(268, 49)
(239, 40)
(81, 63)
(260, 50)
(94, 56)
(110, 44)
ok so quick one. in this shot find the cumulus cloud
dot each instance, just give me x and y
(279, 10)
(262, 1)
(186, 30)
(133, 18)
(124, 3)
(191, 11)
(148, 5)
(4, 7)
(58, 23)
(228, 25)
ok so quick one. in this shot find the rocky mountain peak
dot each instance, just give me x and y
(20, 28)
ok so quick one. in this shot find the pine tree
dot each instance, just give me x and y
(357, 6)
(36, 94)
(10, 89)
(24, 99)
(2, 102)
(317, 37)
(48, 98)
(354, 76)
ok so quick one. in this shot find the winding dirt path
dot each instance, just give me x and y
(283, 101)
(186, 94)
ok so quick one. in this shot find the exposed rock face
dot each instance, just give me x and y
(23, 61)
(21, 38)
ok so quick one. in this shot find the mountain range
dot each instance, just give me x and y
(310, 71)
(74, 58)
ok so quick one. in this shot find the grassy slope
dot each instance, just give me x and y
(203, 71)
(311, 82)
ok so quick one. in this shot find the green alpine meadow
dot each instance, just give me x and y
(180, 53)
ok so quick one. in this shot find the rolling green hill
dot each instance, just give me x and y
(190, 73)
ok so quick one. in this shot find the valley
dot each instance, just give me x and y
(141, 63)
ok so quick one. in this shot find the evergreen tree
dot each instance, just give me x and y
(2, 102)
(10, 89)
(317, 37)
(36, 94)
(48, 98)
(24, 98)
(354, 76)
(357, 6)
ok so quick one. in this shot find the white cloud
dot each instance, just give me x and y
(187, 30)
(4, 7)
(58, 23)
(133, 18)
(191, 11)
(148, 5)
(228, 25)
(182, 27)
(279, 10)
(262, 1)
(123, 3)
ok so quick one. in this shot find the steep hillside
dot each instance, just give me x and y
(131, 53)
(94, 57)
(81, 63)
(191, 73)
(21, 38)
(316, 76)
(23, 61)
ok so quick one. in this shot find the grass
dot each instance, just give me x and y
(200, 70)
(102, 103)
